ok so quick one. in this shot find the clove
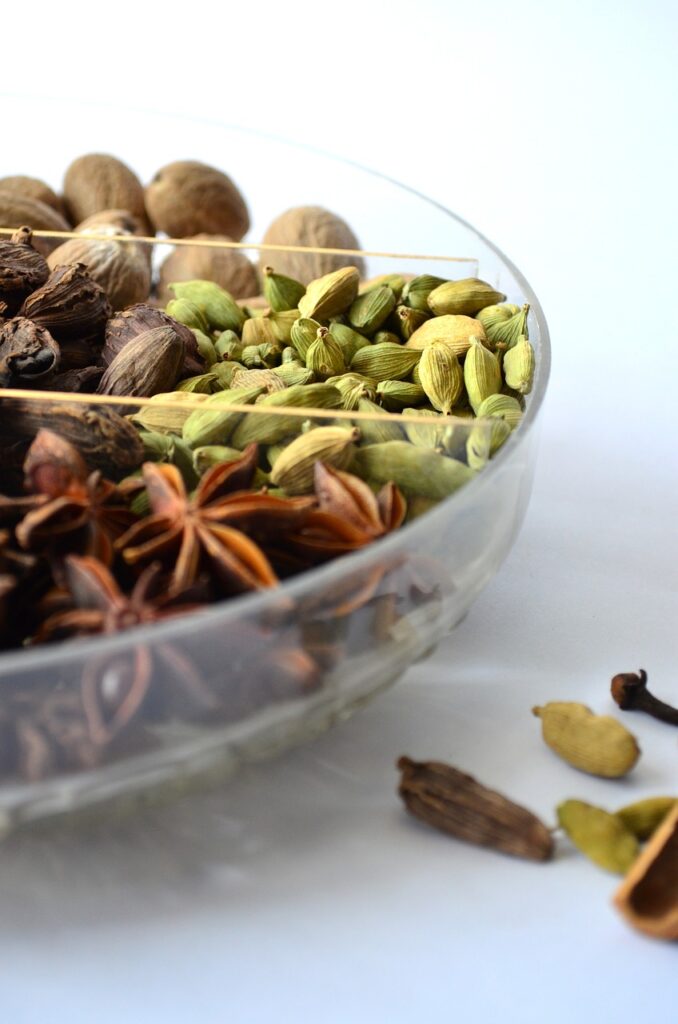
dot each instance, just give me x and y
(629, 690)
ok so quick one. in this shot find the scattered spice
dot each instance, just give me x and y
(630, 692)
(648, 896)
(597, 744)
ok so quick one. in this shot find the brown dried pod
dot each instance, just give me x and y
(648, 896)
(187, 197)
(96, 182)
(70, 305)
(121, 268)
(105, 440)
(456, 803)
(130, 323)
(16, 210)
(28, 353)
(83, 381)
(33, 188)
(315, 227)
(22, 269)
(228, 268)
(147, 366)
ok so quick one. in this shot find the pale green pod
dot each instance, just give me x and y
(600, 836)
(260, 331)
(466, 297)
(348, 340)
(270, 429)
(396, 395)
(289, 355)
(455, 331)
(428, 433)
(416, 292)
(293, 373)
(282, 324)
(203, 384)
(385, 361)
(482, 375)
(281, 292)
(219, 308)
(644, 817)
(410, 320)
(415, 470)
(266, 379)
(396, 282)
(206, 347)
(519, 366)
(162, 416)
(189, 314)
(302, 335)
(379, 427)
(331, 294)
(171, 449)
(502, 406)
(493, 316)
(224, 372)
(369, 311)
(441, 376)
(228, 345)
(294, 468)
(483, 441)
(213, 423)
(381, 336)
(324, 356)
(509, 332)
(353, 387)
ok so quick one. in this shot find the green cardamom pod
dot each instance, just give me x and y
(502, 406)
(396, 395)
(428, 433)
(281, 292)
(416, 292)
(482, 375)
(441, 376)
(455, 331)
(189, 314)
(381, 336)
(410, 320)
(466, 297)
(369, 311)
(644, 817)
(509, 332)
(228, 346)
(206, 348)
(415, 470)
(293, 373)
(396, 282)
(216, 454)
(203, 384)
(224, 372)
(282, 324)
(324, 356)
(270, 429)
(377, 427)
(266, 379)
(303, 334)
(348, 340)
(483, 441)
(171, 449)
(213, 423)
(329, 295)
(162, 416)
(260, 331)
(519, 366)
(353, 387)
(293, 470)
(600, 836)
(219, 308)
(493, 316)
(385, 361)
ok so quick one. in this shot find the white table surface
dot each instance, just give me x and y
(301, 890)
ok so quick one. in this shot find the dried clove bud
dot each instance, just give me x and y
(22, 269)
(28, 353)
(454, 802)
(630, 692)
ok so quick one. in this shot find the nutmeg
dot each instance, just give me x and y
(16, 210)
(128, 223)
(96, 182)
(186, 198)
(33, 188)
(121, 268)
(314, 227)
(229, 268)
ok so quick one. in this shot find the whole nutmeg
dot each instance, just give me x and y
(314, 227)
(33, 188)
(22, 269)
(16, 210)
(229, 268)
(96, 182)
(186, 198)
(147, 366)
(121, 268)
(128, 223)
(124, 327)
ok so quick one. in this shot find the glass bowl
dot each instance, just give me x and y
(246, 678)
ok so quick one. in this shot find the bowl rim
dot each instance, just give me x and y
(223, 612)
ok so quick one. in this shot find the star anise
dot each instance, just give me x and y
(74, 511)
(114, 688)
(17, 572)
(207, 530)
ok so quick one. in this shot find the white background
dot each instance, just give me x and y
(302, 891)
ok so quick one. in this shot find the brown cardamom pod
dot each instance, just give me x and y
(71, 306)
(105, 439)
(130, 323)
(447, 799)
(22, 269)
(28, 353)
(147, 366)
